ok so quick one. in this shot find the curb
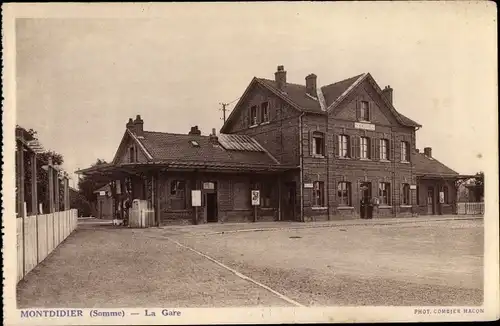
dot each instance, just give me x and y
(379, 222)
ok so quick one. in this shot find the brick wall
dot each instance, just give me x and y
(280, 135)
(331, 169)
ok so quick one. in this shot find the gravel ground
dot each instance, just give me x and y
(424, 263)
(436, 263)
(110, 267)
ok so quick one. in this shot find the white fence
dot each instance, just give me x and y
(470, 208)
(39, 236)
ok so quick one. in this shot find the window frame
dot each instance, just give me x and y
(340, 194)
(264, 107)
(384, 149)
(364, 112)
(405, 151)
(178, 194)
(341, 148)
(364, 142)
(254, 116)
(318, 194)
(384, 187)
(406, 195)
(317, 135)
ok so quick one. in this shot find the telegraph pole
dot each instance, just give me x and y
(224, 111)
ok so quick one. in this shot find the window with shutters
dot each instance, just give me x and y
(241, 195)
(178, 194)
(318, 144)
(384, 193)
(384, 149)
(343, 146)
(318, 194)
(344, 193)
(364, 148)
(364, 113)
(264, 112)
(405, 151)
(253, 116)
(406, 194)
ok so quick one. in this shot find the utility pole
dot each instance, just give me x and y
(224, 111)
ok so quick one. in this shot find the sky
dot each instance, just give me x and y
(82, 74)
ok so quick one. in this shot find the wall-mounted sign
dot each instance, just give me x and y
(195, 198)
(102, 193)
(365, 126)
(255, 197)
(441, 197)
(413, 187)
(208, 185)
(308, 185)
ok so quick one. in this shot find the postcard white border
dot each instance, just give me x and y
(222, 315)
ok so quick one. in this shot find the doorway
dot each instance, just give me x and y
(290, 201)
(212, 208)
(365, 205)
(430, 201)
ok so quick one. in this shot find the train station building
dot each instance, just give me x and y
(339, 151)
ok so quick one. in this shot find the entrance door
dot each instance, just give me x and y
(289, 201)
(430, 200)
(365, 208)
(212, 208)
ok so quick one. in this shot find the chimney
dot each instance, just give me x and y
(195, 131)
(280, 77)
(311, 85)
(428, 152)
(139, 126)
(130, 125)
(387, 91)
(213, 139)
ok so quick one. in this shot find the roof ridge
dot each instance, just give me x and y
(172, 133)
(343, 80)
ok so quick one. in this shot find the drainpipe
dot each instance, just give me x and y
(327, 153)
(301, 171)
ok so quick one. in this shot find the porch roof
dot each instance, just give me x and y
(177, 165)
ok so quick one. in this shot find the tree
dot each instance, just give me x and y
(90, 183)
(479, 186)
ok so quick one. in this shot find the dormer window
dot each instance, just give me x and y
(364, 111)
(253, 115)
(264, 112)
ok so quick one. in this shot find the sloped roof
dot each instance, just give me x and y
(178, 147)
(296, 94)
(333, 91)
(431, 167)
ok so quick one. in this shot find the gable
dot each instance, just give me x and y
(255, 95)
(123, 153)
(380, 111)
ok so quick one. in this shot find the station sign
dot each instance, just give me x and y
(365, 126)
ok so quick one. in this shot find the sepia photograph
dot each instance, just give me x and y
(275, 162)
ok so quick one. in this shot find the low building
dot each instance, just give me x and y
(314, 153)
